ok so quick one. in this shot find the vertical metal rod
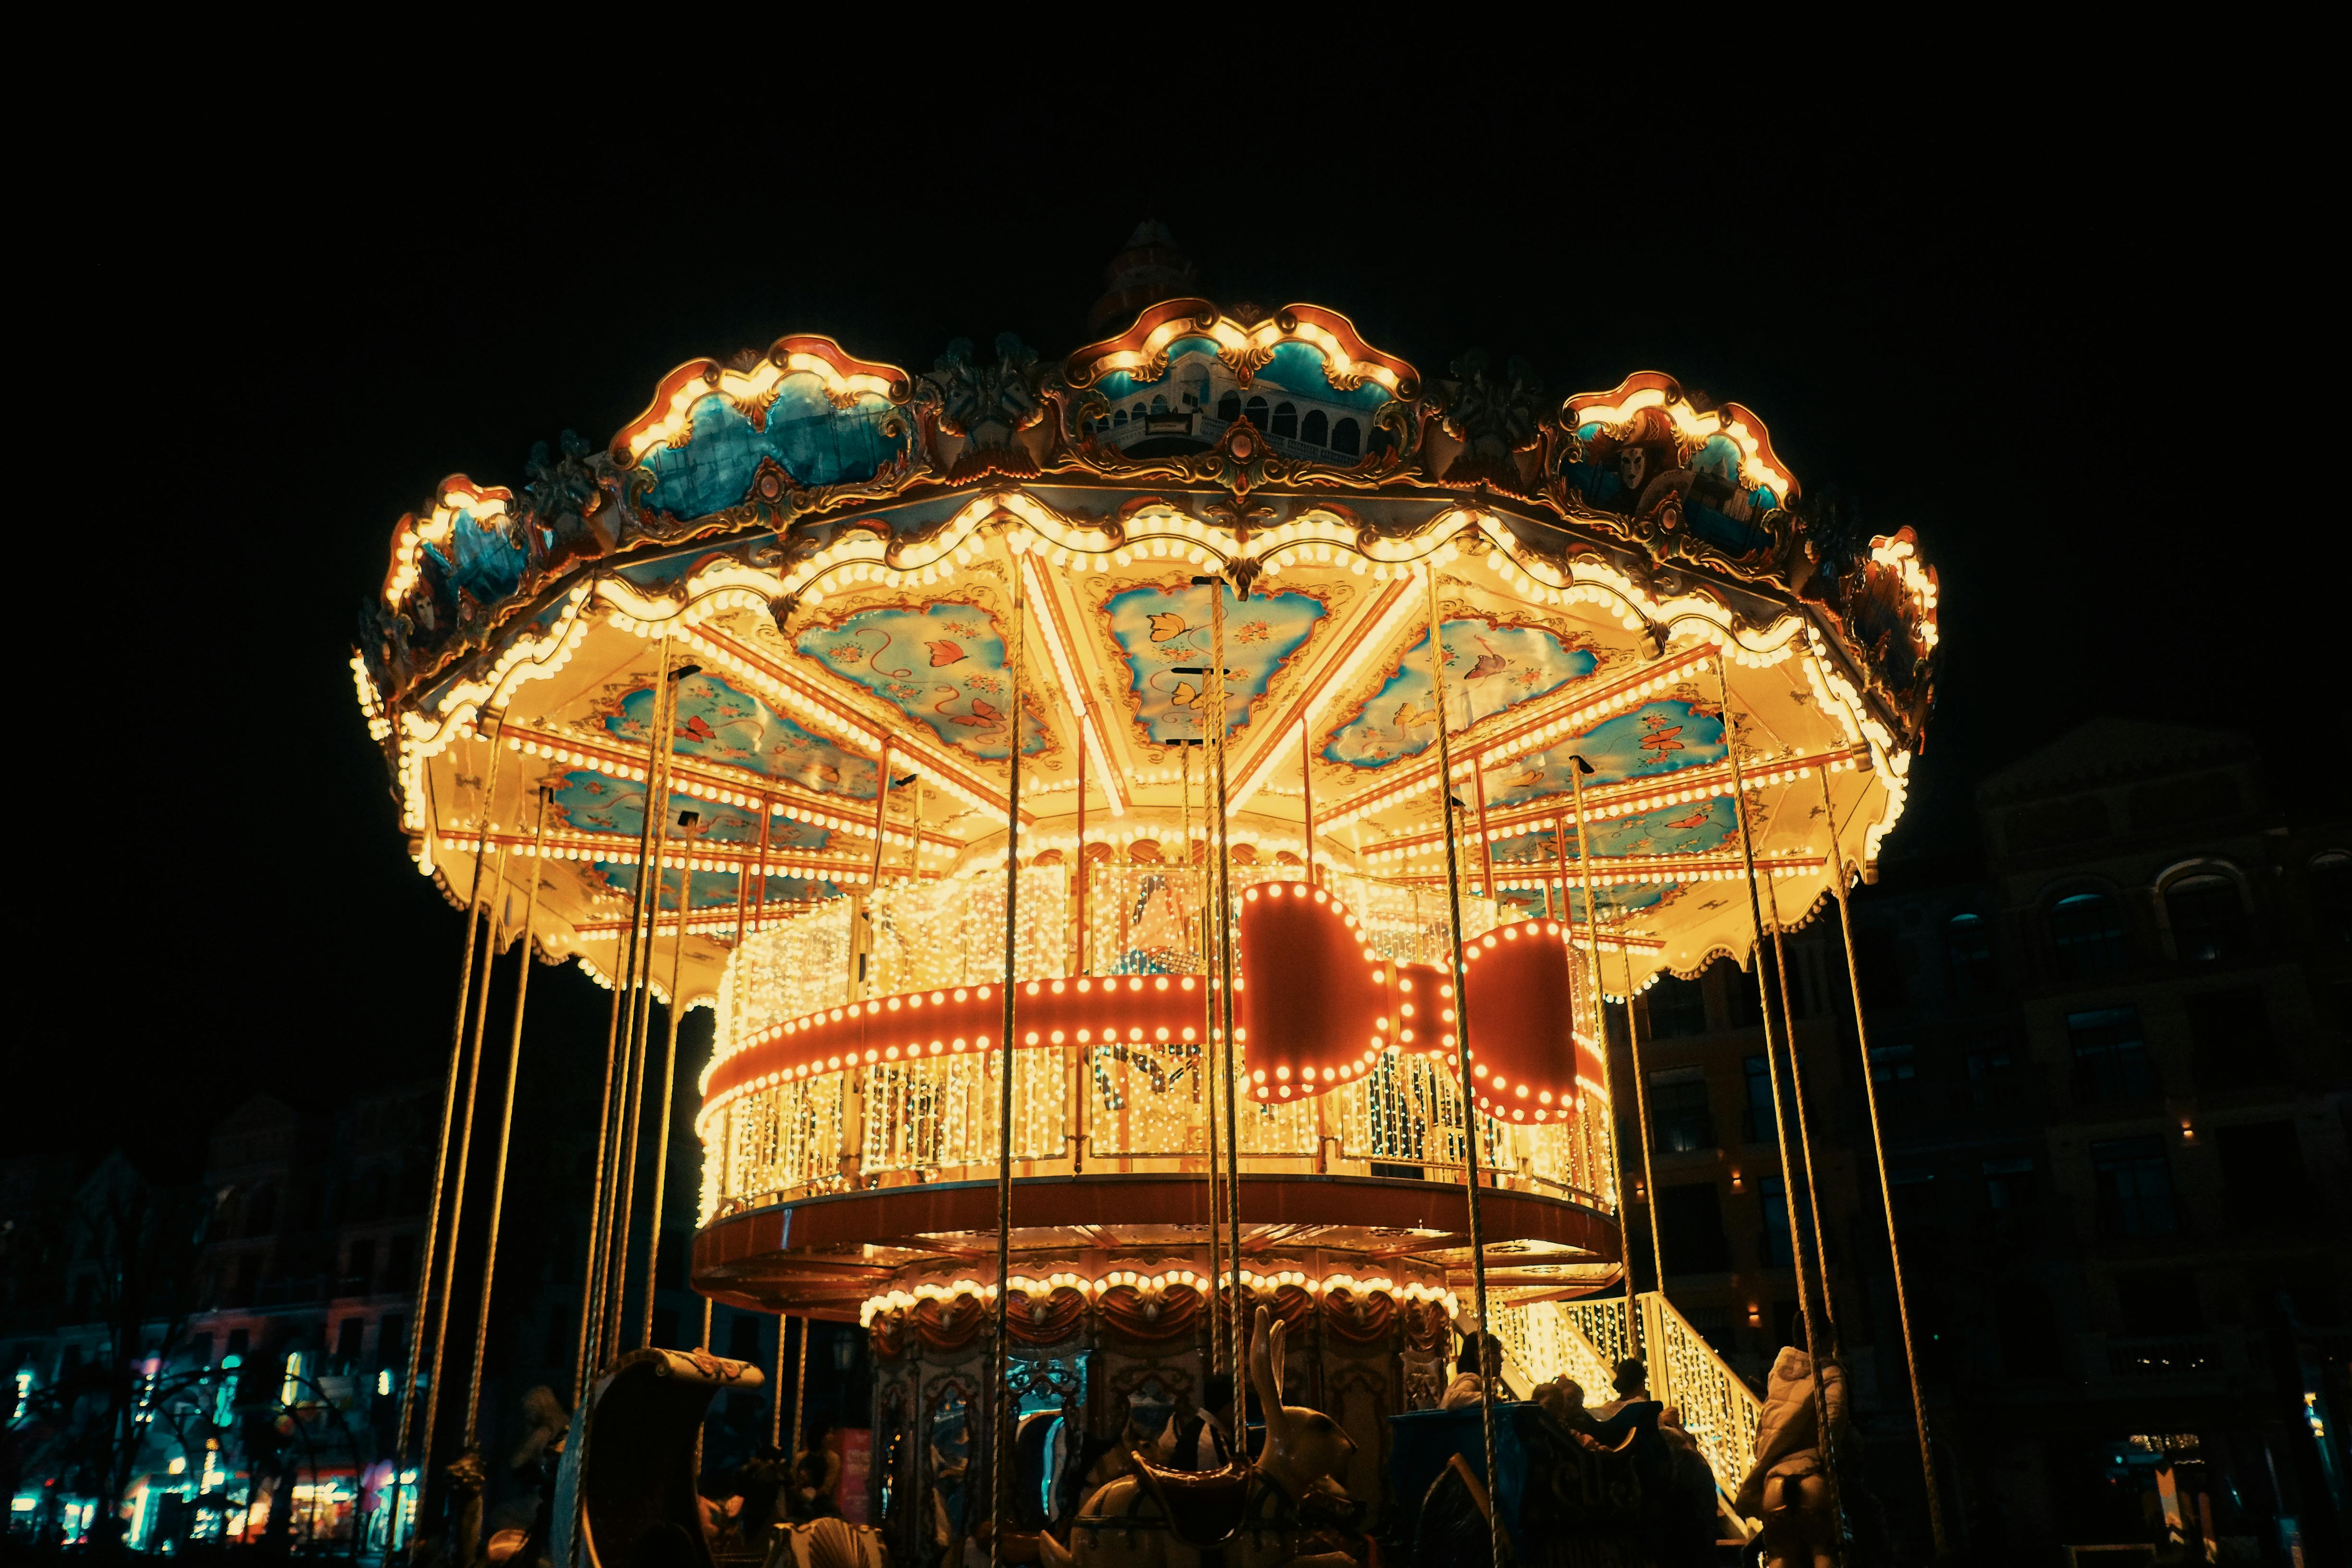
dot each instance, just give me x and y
(1886, 1192)
(800, 1392)
(657, 801)
(505, 1125)
(1804, 1129)
(1081, 877)
(1203, 1076)
(1560, 843)
(776, 1404)
(441, 1147)
(1641, 1109)
(760, 887)
(706, 1325)
(1578, 767)
(1238, 1342)
(1486, 845)
(881, 828)
(670, 1088)
(999, 1476)
(1498, 1542)
(1306, 795)
(622, 1191)
(457, 1188)
(1772, 1070)
(592, 1286)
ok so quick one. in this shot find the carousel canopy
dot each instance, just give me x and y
(824, 553)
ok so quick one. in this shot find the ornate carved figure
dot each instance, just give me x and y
(1284, 1511)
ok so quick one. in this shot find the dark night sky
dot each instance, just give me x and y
(2013, 321)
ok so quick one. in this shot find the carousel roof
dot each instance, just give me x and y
(832, 545)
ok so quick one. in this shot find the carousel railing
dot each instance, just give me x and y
(1137, 1107)
(1147, 1108)
(1586, 1339)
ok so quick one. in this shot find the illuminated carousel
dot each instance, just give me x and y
(1018, 670)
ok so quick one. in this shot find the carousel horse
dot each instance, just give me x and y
(1284, 1511)
(624, 1495)
(1788, 1486)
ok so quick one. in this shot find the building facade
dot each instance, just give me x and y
(2109, 1053)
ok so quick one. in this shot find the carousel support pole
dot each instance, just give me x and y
(1000, 1474)
(1780, 1116)
(1641, 1109)
(1486, 845)
(1202, 898)
(1307, 796)
(670, 1088)
(1579, 768)
(1079, 877)
(881, 824)
(609, 1222)
(1886, 1192)
(469, 1526)
(1560, 843)
(1238, 1342)
(657, 798)
(592, 1286)
(1804, 1128)
(775, 1404)
(441, 1148)
(759, 886)
(1499, 1543)
(457, 1192)
(800, 1393)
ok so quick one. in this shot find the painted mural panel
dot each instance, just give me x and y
(719, 724)
(808, 436)
(713, 890)
(1634, 467)
(1659, 737)
(1489, 666)
(942, 665)
(1163, 629)
(592, 802)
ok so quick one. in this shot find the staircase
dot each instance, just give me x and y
(1585, 1339)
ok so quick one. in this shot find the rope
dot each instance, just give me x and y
(999, 1464)
(441, 1148)
(1804, 1128)
(592, 1285)
(1886, 1192)
(1772, 1068)
(669, 1090)
(506, 1129)
(1498, 1543)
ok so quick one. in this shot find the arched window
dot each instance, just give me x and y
(1159, 405)
(1315, 428)
(1975, 971)
(2208, 917)
(1120, 418)
(2086, 935)
(1285, 420)
(1255, 409)
(1343, 436)
(1229, 407)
